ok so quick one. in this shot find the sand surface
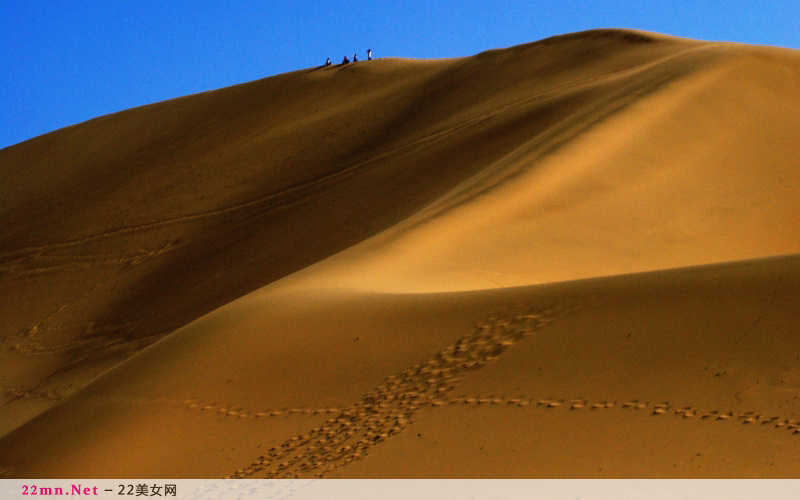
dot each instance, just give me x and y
(574, 258)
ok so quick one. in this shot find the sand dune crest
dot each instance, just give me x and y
(525, 263)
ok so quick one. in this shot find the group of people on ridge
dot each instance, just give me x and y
(355, 58)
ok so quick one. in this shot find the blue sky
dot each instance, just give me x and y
(66, 61)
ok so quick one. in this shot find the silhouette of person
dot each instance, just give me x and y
(328, 61)
(346, 60)
(369, 54)
(355, 57)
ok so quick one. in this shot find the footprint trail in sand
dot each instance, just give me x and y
(387, 410)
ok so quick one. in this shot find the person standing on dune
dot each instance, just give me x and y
(355, 57)
(369, 54)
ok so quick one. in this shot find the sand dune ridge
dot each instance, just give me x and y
(525, 263)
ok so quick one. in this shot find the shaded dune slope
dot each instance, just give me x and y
(395, 208)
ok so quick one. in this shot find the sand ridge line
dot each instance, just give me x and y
(388, 409)
(559, 132)
(411, 146)
(664, 408)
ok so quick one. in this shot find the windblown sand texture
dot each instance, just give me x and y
(574, 258)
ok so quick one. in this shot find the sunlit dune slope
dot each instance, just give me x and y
(311, 234)
(684, 373)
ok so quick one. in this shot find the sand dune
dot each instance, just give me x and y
(574, 258)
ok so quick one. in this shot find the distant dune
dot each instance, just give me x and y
(578, 257)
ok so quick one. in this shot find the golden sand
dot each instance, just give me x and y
(574, 258)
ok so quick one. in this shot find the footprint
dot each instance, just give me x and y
(377, 416)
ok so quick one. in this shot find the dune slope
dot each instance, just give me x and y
(686, 373)
(525, 263)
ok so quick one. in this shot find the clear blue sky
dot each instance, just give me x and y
(66, 61)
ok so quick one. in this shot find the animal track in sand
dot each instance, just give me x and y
(749, 417)
(46, 260)
(655, 409)
(388, 409)
(351, 431)
(89, 336)
(29, 393)
(85, 335)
